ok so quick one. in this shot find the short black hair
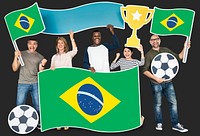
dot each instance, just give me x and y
(32, 39)
(95, 31)
(130, 48)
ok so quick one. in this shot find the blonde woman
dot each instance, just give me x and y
(63, 57)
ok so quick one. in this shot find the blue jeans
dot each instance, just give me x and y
(166, 89)
(22, 92)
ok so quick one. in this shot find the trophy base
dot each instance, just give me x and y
(134, 43)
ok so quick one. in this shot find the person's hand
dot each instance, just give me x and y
(52, 68)
(187, 44)
(17, 53)
(71, 34)
(111, 28)
(43, 62)
(117, 55)
(92, 69)
(140, 48)
(159, 80)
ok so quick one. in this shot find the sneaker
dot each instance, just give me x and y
(179, 127)
(38, 126)
(159, 126)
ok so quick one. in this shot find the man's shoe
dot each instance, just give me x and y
(39, 127)
(180, 128)
(159, 126)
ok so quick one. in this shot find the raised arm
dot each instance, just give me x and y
(74, 50)
(115, 41)
(115, 64)
(186, 45)
(142, 60)
(71, 34)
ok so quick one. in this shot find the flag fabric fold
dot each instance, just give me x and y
(177, 21)
(102, 102)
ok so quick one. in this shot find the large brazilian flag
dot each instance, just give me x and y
(78, 98)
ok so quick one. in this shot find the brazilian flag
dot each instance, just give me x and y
(78, 98)
(24, 22)
(178, 21)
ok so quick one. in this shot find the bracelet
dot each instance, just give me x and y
(142, 52)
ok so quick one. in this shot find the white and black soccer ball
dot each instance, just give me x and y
(165, 65)
(23, 119)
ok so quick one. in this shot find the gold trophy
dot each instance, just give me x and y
(136, 17)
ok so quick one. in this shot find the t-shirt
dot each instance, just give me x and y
(98, 58)
(29, 72)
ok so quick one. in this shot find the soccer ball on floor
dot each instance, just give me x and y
(23, 119)
(165, 65)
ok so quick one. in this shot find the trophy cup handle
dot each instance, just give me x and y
(150, 11)
(123, 15)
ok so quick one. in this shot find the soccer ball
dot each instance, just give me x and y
(165, 65)
(23, 119)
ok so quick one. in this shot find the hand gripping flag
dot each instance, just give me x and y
(103, 102)
(24, 22)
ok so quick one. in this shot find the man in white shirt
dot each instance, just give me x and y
(96, 57)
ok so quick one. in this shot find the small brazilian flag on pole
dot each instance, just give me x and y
(177, 21)
(103, 102)
(24, 22)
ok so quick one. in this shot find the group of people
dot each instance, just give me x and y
(96, 59)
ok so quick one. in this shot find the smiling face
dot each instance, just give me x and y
(96, 37)
(61, 45)
(127, 53)
(32, 45)
(155, 41)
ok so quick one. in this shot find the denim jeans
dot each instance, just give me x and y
(166, 89)
(22, 92)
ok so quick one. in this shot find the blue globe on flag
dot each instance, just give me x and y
(172, 22)
(90, 99)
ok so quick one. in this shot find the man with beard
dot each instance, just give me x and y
(28, 74)
(161, 87)
(96, 57)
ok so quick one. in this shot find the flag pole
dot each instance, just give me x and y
(186, 49)
(20, 57)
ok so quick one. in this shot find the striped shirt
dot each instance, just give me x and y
(127, 64)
